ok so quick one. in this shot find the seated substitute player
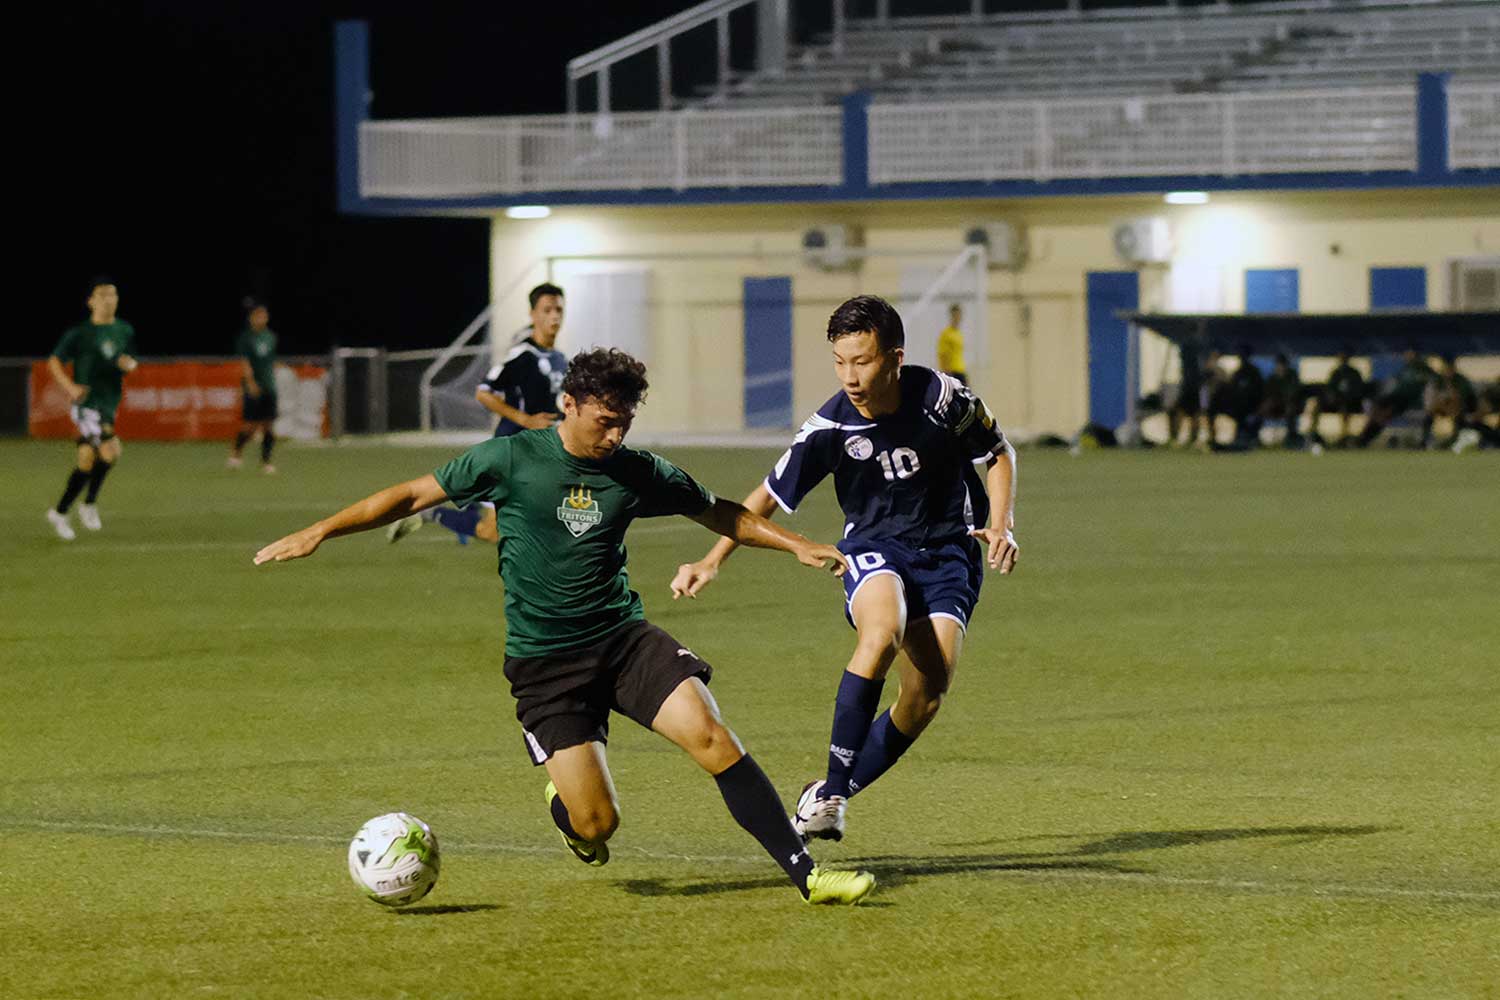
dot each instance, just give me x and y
(256, 346)
(522, 391)
(1282, 400)
(102, 352)
(1343, 393)
(577, 642)
(1407, 391)
(902, 443)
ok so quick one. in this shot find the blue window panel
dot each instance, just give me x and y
(1271, 290)
(1112, 379)
(768, 352)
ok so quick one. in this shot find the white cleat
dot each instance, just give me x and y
(400, 529)
(1467, 438)
(268, 469)
(822, 819)
(60, 525)
(234, 462)
(88, 516)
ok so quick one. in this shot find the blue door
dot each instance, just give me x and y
(1271, 290)
(768, 352)
(1395, 288)
(1112, 369)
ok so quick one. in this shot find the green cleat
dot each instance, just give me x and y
(838, 888)
(589, 853)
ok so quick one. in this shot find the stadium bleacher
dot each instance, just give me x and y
(1143, 51)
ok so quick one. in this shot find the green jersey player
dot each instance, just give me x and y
(101, 352)
(577, 642)
(256, 347)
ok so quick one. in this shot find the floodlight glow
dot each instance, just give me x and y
(1186, 198)
(527, 212)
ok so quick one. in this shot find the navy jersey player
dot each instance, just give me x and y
(522, 391)
(905, 446)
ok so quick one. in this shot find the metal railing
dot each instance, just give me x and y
(771, 47)
(650, 149)
(1225, 134)
(1473, 124)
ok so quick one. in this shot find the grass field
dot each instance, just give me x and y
(1232, 730)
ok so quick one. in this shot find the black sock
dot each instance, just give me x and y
(754, 804)
(76, 482)
(853, 711)
(267, 442)
(96, 479)
(241, 439)
(560, 817)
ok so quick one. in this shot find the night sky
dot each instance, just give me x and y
(186, 149)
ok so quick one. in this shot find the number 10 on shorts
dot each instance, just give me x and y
(864, 562)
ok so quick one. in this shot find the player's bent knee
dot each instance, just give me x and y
(596, 823)
(714, 747)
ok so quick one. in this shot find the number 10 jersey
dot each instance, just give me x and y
(909, 475)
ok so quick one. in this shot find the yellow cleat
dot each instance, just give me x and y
(587, 852)
(838, 888)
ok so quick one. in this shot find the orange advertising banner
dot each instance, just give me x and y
(170, 401)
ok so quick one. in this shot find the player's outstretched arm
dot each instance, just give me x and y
(693, 577)
(390, 504)
(745, 527)
(998, 538)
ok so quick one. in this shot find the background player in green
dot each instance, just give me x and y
(101, 352)
(577, 642)
(256, 347)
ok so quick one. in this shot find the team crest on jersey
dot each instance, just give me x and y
(859, 447)
(579, 511)
(107, 348)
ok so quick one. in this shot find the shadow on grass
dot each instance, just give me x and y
(443, 909)
(895, 870)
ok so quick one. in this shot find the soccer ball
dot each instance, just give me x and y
(394, 859)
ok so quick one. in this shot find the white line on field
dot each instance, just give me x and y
(1147, 878)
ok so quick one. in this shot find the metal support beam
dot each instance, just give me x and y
(664, 75)
(721, 29)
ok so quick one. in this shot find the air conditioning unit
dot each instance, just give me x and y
(1474, 284)
(828, 247)
(1144, 241)
(1004, 243)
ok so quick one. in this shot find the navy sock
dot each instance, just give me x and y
(853, 709)
(76, 483)
(883, 747)
(240, 440)
(461, 522)
(96, 479)
(754, 804)
(560, 817)
(267, 442)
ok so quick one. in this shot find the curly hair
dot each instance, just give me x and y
(608, 376)
(868, 314)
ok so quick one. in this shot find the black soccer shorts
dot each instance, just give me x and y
(564, 699)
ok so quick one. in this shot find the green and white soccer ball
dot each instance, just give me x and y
(394, 859)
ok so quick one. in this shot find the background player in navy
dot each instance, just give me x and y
(902, 444)
(523, 392)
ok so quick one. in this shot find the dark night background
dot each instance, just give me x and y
(186, 149)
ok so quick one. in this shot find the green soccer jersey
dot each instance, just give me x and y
(95, 352)
(259, 348)
(562, 522)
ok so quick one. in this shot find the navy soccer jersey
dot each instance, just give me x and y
(529, 379)
(907, 476)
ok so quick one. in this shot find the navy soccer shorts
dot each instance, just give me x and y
(938, 581)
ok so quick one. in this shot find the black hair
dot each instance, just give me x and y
(608, 376)
(1347, 350)
(1283, 359)
(545, 288)
(868, 314)
(1246, 350)
(252, 303)
(99, 279)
